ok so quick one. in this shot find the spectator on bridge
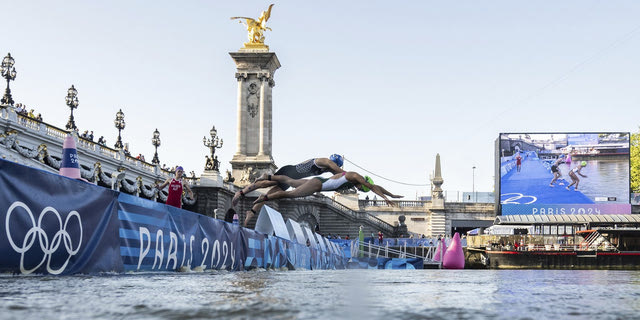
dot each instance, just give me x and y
(311, 167)
(340, 181)
(19, 108)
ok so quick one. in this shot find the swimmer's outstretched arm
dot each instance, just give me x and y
(383, 190)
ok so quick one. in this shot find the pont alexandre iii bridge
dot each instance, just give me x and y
(26, 140)
(38, 144)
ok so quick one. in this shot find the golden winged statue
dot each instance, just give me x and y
(256, 28)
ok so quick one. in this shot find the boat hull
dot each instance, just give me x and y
(562, 260)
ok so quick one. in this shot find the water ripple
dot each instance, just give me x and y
(340, 294)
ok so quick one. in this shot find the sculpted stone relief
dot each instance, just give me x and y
(253, 99)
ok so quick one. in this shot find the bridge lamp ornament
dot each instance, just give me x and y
(155, 141)
(212, 143)
(120, 124)
(72, 102)
(8, 72)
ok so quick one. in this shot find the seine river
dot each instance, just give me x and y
(341, 294)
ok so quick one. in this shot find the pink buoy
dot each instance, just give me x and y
(441, 246)
(454, 256)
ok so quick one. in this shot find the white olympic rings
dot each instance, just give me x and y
(48, 246)
(515, 197)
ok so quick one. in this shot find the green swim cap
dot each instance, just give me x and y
(583, 163)
(369, 180)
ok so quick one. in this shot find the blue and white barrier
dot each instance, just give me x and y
(50, 224)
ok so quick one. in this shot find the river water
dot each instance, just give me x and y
(339, 294)
(605, 178)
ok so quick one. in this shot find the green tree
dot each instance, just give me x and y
(635, 162)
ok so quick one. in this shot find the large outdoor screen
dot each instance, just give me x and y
(563, 173)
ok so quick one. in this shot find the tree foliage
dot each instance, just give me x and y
(635, 162)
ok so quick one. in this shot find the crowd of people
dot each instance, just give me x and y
(87, 135)
(22, 110)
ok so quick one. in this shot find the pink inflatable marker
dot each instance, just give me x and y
(454, 257)
(441, 246)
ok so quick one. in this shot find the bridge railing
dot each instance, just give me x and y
(50, 132)
(399, 203)
(381, 224)
(371, 250)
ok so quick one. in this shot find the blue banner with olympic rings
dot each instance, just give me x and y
(50, 224)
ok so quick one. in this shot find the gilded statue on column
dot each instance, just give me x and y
(256, 29)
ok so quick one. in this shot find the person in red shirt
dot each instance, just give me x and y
(174, 198)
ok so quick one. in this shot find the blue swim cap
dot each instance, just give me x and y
(562, 156)
(337, 159)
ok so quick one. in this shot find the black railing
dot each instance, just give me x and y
(369, 217)
(399, 203)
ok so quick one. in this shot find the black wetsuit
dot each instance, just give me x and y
(299, 171)
(554, 167)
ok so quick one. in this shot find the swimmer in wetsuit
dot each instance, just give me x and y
(555, 169)
(574, 175)
(341, 181)
(311, 167)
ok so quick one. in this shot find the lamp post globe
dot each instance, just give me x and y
(155, 141)
(8, 72)
(120, 124)
(212, 143)
(72, 102)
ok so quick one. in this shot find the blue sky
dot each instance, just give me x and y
(389, 85)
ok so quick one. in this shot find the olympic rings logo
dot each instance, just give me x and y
(48, 246)
(516, 198)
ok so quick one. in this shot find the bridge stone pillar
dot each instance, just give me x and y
(255, 75)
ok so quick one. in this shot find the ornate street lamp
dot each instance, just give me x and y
(119, 122)
(72, 103)
(213, 143)
(155, 141)
(9, 73)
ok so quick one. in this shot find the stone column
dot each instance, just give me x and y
(240, 148)
(255, 72)
(263, 96)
